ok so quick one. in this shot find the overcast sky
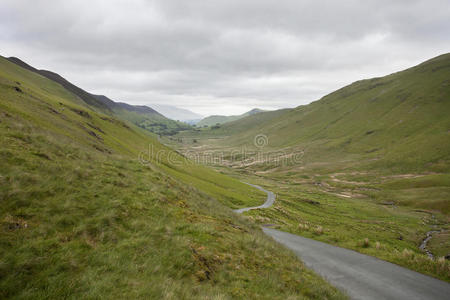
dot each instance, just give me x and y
(222, 57)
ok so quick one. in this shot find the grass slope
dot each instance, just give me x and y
(86, 97)
(82, 217)
(399, 122)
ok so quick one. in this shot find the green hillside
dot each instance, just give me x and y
(218, 119)
(397, 124)
(235, 128)
(400, 122)
(143, 116)
(85, 97)
(92, 207)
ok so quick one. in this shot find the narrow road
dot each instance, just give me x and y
(360, 276)
(269, 202)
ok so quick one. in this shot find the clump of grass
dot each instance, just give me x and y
(377, 245)
(443, 264)
(318, 230)
(366, 243)
(303, 227)
(438, 267)
(406, 253)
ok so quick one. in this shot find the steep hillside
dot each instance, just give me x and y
(143, 116)
(91, 207)
(218, 119)
(82, 94)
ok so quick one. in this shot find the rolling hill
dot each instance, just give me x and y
(94, 207)
(218, 119)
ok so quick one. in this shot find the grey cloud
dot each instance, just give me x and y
(219, 55)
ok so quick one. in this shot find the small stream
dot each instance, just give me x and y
(423, 245)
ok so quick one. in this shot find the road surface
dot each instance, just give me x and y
(269, 202)
(360, 276)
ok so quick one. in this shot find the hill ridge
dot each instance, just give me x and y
(141, 115)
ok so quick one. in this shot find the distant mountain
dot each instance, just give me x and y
(142, 109)
(219, 119)
(177, 113)
(143, 116)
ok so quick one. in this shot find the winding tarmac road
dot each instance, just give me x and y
(360, 276)
(269, 202)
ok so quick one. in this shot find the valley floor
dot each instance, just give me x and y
(382, 215)
(374, 227)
